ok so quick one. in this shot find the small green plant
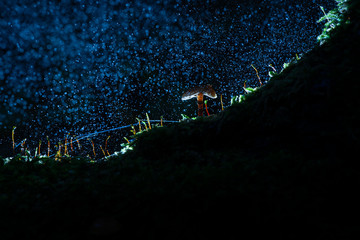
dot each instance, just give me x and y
(186, 117)
(272, 73)
(249, 89)
(125, 147)
(237, 99)
(333, 19)
(240, 98)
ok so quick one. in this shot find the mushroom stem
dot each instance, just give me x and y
(199, 93)
(200, 101)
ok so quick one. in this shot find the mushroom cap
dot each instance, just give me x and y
(207, 90)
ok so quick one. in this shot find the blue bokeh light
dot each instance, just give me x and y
(82, 66)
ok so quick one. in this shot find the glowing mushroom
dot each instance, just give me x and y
(199, 93)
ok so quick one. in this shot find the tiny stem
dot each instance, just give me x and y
(13, 138)
(148, 120)
(103, 151)
(257, 74)
(221, 101)
(106, 145)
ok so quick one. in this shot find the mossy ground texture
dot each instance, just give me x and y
(284, 163)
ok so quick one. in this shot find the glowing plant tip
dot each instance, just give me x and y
(323, 10)
(148, 120)
(270, 65)
(103, 151)
(13, 137)
(161, 121)
(221, 101)
(206, 107)
(133, 130)
(127, 140)
(257, 74)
